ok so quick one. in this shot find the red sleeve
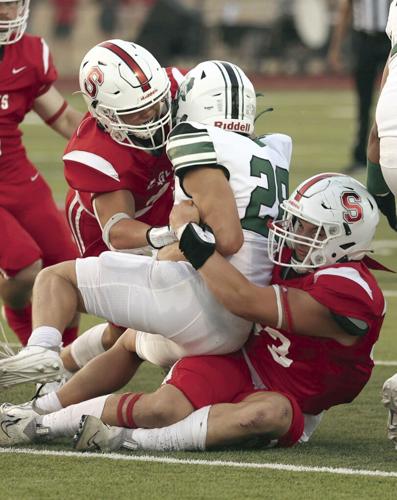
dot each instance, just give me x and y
(344, 290)
(47, 71)
(84, 177)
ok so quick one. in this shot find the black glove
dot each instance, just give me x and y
(387, 205)
(196, 243)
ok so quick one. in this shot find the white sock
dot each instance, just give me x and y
(188, 434)
(65, 422)
(45, 336)
(88, 345)
(48, 403)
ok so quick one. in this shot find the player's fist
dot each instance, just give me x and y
(184, 213)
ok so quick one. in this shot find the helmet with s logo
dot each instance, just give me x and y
(344, 216)
(128, 93)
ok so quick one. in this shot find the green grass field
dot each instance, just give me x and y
(351, 437)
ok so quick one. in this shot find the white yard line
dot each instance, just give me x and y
(209, 463)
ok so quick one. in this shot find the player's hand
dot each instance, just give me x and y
(387, 205)
(184, 213)
(170, 252)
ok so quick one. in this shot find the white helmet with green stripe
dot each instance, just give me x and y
(218, 93)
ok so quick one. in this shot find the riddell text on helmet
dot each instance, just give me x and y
(240, 127)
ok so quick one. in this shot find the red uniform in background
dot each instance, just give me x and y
(95, 164)
(314, 373)
(32, 226)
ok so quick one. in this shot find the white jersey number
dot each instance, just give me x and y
(4, 101)
(277, 190)
(279, 352)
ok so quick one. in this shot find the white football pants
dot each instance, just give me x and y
(160, 297)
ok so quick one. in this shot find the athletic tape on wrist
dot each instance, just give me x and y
(196, 244)
(159, 237)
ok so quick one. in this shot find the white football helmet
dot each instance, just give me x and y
(343, 211)
(119, 78)
(13, 20)
(218, 93)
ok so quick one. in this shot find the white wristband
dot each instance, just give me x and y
(159, 237)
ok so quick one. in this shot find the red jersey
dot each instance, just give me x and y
(26, 72)
(320, 372)
(95, 163)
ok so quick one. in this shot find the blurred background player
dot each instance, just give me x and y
(369, 50)
(34, 232)
(121, 180)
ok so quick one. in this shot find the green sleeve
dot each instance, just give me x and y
(376, 183)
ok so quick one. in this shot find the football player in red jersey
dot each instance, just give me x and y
(319, 321)
(29, 217)
(121, 181)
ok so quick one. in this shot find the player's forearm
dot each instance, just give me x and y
(129, 234)
(230, 287)
(68, 122)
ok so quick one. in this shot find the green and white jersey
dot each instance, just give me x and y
(257, 171)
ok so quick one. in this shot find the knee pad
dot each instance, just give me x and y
(157, 349)
(88, 345)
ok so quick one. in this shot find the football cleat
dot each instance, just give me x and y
(20, 410)
(46, 388)
(31, 364)
(94, 435)
(18, 425)
(389, 401)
